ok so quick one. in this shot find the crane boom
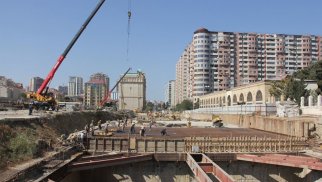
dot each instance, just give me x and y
(119, 80)
(108, 95)
(68, 48)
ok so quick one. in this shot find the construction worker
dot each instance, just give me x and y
(125, 121)
(142, 131)
(123, 127)
(150, 125)
(106, 128)
(118, 124)
(132, 130)
(30, 108)
(92, 124)
(99, 124)
(164, 132)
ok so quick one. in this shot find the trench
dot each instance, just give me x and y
(140, 171)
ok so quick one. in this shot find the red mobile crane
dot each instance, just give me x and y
(44, 99)
(108, 95)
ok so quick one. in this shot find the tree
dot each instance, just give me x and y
(295, 89)
(313, 72)
(277, 89)
(290, 88)
(184, 105)
(149, 107)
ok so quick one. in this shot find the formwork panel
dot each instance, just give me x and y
(117, 145)
(180, 146)
(141, 146)
(161, 146)
(150, 146)
(171, 147)
(100, 148)
(92, 144)
(108, 145)
(124, 144)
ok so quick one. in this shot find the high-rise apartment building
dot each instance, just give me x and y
(35, 83)
(184, 81)
(222, 60)
(170, 93)
(96, 89)
(75, 86)
(132, 92)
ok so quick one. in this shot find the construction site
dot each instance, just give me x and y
(103, 142)
(188, 150)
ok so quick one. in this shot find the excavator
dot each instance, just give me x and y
(43, 99)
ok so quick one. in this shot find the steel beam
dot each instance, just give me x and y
(283, 160)
(197, 170)
(206, 165)
(99, 163)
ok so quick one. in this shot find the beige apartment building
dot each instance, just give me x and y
(132, 92)
(184, 76)
(95, 90)
(222, 60)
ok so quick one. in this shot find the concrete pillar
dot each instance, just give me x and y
(319, 100)
(282, 97)
(310, 100)
(302, 101)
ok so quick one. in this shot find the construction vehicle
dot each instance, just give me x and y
(107, 100)
(43, 99)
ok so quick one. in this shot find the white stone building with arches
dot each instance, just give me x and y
(250, 98)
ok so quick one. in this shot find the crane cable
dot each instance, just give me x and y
(129, 14)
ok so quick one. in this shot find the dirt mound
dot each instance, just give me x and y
(22, 139)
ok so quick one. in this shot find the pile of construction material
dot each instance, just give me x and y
(287, 109)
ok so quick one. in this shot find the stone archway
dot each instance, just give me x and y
(249, 97)
(259, 96)
(241, 97)
(234, 99)
(228, 100)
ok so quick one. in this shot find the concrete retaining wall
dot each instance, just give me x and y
(299, 127)
(141, 171)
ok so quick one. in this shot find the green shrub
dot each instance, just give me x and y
(22, 146)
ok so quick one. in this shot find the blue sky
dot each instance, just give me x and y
(34, 33)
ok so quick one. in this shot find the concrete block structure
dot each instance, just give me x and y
(132, 92)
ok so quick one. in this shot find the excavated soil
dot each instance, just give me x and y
(46, 129)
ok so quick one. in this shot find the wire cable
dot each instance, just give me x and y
(129, 14)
